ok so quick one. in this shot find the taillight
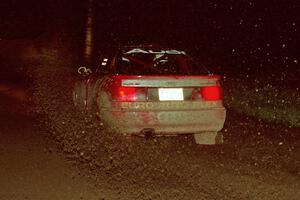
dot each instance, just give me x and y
(129, 94)
(212, 93)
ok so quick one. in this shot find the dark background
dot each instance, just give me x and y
(231, 37)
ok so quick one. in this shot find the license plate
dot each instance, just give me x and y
(170, 94)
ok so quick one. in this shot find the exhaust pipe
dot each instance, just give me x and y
(148, 133)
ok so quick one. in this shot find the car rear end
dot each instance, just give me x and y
(167, 105)
(162, 104)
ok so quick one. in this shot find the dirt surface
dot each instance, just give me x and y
(258, 161)
(30, 167)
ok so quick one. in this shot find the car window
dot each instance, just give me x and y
(170, 62)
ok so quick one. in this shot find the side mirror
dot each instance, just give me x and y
(84, 71)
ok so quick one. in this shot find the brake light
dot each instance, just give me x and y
(212, 93)
(129, 94)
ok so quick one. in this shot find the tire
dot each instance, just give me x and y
(85, 104)
(79, 96)
(208, 138)
(90, 100)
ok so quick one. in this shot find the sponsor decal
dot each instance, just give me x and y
(180, 117)
(155, 52)
(166, 105)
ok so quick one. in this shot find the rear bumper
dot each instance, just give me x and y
(165, 122)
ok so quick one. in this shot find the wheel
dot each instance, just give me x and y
(83, 97)
(89, 99)
(208, 138)
(79, 96)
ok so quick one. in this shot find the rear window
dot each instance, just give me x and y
(162, 62)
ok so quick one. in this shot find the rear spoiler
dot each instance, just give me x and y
(167, 81)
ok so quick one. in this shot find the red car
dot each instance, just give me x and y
(147, 90)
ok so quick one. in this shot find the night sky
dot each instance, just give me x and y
(246, 35)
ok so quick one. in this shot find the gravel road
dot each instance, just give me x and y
(259, 160)
(30, 166)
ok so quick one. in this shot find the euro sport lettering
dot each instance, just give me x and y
(166, 105)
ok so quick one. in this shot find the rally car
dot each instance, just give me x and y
(153, 91)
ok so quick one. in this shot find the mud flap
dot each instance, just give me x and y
(208, 138)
